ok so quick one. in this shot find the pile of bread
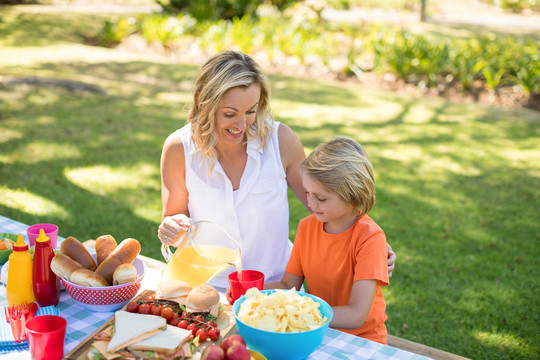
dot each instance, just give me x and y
(112, 266)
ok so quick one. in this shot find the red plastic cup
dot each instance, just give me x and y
(51, 231)
(249, 279)
(46, 335)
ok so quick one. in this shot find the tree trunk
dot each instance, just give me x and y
(423, 10)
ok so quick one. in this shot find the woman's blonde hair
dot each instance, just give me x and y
(222, 72)
(341, 166)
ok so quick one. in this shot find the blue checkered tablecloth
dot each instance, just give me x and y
(82, 322)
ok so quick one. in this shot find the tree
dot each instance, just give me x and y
(423, 10)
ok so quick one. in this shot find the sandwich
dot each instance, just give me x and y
(131, 328)
(203, 299)
(166, 342)
(174, 290)
(140, 336)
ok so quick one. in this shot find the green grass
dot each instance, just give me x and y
(457, 184)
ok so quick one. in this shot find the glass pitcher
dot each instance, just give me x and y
(205, 251)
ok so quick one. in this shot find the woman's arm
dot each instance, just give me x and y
(288, 281)
(174, 194)
(354, 314)
(292, 155)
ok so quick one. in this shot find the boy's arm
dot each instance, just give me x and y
(354, 314)
(288, 281)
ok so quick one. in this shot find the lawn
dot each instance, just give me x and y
(457, 184)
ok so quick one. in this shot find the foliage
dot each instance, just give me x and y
(114, 30)
(211, 9)
(165, 29)
(515, 5)
(415, 58)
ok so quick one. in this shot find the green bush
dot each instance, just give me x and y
(114, 30)
(211, 9)
(414, 58)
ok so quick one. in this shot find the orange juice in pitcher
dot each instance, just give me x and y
(205, 251)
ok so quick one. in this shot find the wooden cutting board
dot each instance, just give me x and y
(80, 352)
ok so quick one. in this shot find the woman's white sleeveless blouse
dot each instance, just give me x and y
(257, 214)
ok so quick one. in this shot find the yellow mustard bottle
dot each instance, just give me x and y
(19, 282)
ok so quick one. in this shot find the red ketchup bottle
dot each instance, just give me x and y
(46, 283)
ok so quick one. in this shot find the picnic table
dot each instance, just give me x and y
(82, 322)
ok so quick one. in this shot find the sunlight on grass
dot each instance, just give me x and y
(31, 203)
(106, 180)
(9, 134)
(419, 114)
(501, 340)
(174, 97)
(39, 151)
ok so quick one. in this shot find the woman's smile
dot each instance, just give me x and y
(237, 112)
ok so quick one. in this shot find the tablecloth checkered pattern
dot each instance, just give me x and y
(82, 322)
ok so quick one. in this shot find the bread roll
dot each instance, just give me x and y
(85, 277)
(64, 266)
(74, 249)
(124, 253)
(124, 273)
(203, 298)
(105, 244)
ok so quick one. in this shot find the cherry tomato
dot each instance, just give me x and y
(213, 334)
(199, 318)
(212, 324)
(191, 327)
(144, 309)
(175, 316)
(203, 335)
(150, 298)
(132, 307)
(182, 324)
(155, 309)
(185, 316)
(174, 322)
(167, 312)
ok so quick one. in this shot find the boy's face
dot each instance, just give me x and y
(328, 206)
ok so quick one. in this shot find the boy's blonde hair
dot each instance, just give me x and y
(341, 166)
(222, 72)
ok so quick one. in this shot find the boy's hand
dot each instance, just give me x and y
(391, 260)
(229, 296)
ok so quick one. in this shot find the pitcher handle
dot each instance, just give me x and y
(166, 253)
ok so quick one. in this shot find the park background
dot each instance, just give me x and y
(447, 109)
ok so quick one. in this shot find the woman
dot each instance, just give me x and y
(231, 164)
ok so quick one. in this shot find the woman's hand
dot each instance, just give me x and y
(172, 229)
(391, 260)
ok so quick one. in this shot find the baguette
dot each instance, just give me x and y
(77, 251)
(124, 253)
(105, 245)
(64, 266)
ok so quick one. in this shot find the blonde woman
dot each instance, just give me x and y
(231, 164)
(339, 250)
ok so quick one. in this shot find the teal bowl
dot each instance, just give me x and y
(277, 345)
(4, 254)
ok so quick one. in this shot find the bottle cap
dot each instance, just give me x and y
(20, 245)
(42, 237)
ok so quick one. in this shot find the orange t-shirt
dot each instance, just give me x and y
(330, 263)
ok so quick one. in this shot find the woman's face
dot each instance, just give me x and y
(236, 112)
